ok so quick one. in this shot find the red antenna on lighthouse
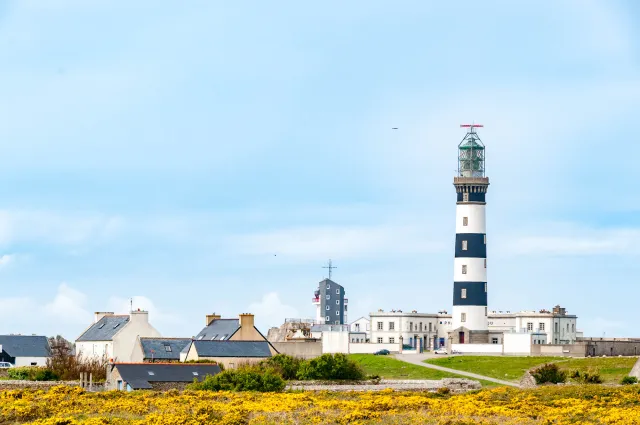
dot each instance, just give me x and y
(471, 125)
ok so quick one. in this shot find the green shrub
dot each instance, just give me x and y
(330, 367)
(629, 380)
(591, 376)
(285, 365)
(247, 378)
(549, 373)
(32, 373)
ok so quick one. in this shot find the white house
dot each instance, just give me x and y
(420, 331)
(113, 336)
(360, 330)
(24, 350)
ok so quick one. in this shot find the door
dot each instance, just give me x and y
(461, 336)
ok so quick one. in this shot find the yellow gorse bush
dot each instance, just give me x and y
(549, 405)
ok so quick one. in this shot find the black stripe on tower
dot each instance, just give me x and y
(476, 248)
(473, 197)
(475, 293)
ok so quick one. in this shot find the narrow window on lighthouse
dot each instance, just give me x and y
(464, 293)
(465, 221)
(463, 317)
(464, 245)
(485, 311)
(464, 269)
(485, 287)
(485, 263)
(485, 239)
(465, 197)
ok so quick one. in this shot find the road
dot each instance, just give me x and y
(417, 359)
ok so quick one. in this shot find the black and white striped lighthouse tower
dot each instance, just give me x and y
(470, 264)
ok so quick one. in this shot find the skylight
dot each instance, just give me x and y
(195, 373)
(214, 337)
(116, 325)
(167, 348)
(150, 372)
(101, 326)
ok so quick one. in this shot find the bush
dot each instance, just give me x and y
(549, 373)
(629, 380)
(32, 373)
(247, 378)
(330, 367)
(68, 367)
(285, 365)
(591, 376)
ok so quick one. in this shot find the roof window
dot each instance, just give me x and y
(214, 337)
(167, 348)
(200, 337)
(195, 373)
(101, 326)
(116, 325)
(151, 373)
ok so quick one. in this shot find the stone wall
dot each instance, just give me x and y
(165, 386)
(34, 385)
(454, 385)
(597, 347)
(302, 349)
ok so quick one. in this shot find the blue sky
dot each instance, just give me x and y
(213, 156)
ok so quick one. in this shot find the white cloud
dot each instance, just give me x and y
(46, 227)
(5, 260)
(123, 305)
(270, 311)
(68, 306)
(320, 242)
(598, 242)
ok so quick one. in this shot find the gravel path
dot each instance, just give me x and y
(417, 359)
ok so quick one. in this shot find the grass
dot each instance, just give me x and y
(499, 367)
(611, 369)
(389, 368)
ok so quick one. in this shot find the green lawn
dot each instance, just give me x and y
(611, 369)
(389, 368)
(499, 367)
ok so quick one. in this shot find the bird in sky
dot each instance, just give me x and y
(394, 128)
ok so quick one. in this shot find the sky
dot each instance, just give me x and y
(213, 156)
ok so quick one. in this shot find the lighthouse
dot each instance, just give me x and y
(469, 317)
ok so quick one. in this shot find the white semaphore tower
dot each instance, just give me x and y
(469, 318)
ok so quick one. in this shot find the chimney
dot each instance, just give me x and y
(139, 316)
(100, 314)
(246, 321)
(211, 318)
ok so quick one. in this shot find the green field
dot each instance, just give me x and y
(611, 369)
(387, 367)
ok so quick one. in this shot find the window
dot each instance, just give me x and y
(429, 326)
(337, 312)
(167, 348)
(328, 296)
(420, 326)
(337, 302)
(379, 340)
(464, 269)
(328, 286)
(485, 287)
(463, 317)
(485, 311)
(465, 221)
(567, 328)
(392, 326)
(573, 327)
(345, 307)
(214, 337)
(328, 307)
(150, 372)
(34, 363)
(465, 197)
(338, 291)
(494, 340)
(411, 326)
(541, 326)
(327, 318)
(556, 326)
(195, 373)
(464, 293)
(116, 325)
(379, 326)
(464, 245)
(485, 239)
(358, 327)
(222, 338)
(101, 326)
(485, 263)
(392, 340)
(200, 337)
(529, 326)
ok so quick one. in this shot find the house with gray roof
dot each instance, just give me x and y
(113, 336)
(24, 350)
(158, 349)
(156, 376)
(228, 353)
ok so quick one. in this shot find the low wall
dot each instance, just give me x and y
(302, 349)
(368, 348)
(34, 385)
(455, 385)
(597, 347)
(558, 350)
(477, 348)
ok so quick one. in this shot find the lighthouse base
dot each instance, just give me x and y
(463, 335)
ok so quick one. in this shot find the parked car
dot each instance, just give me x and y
(382, 353)
(441, 350)
(5, 365)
